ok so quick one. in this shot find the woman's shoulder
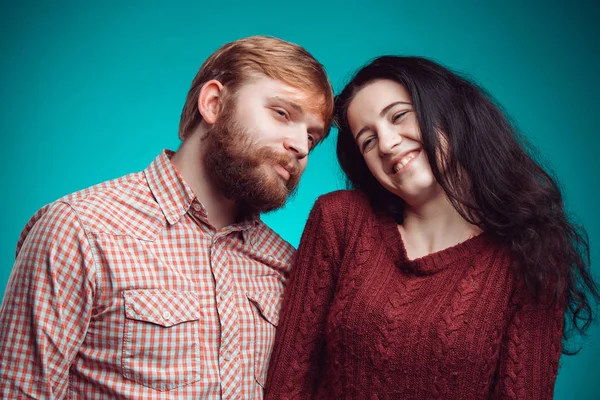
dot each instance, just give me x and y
(343, 200)
(343, 210)
(341, 215)
(344, 204)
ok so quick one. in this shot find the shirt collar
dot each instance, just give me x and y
(175, 197)
(172, 194)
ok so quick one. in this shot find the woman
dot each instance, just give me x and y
(449, 271)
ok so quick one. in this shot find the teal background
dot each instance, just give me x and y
(93, 90)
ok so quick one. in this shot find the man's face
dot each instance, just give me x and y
(258, 147)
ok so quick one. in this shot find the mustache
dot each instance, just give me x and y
(258, 155)
(284, 159)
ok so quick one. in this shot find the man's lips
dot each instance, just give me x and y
(282, 172)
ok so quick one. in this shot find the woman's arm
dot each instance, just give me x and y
(530, 352)
(297, 354)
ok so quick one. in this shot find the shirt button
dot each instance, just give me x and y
(166, 315)
(197, 207)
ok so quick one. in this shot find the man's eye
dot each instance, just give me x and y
(282, 113)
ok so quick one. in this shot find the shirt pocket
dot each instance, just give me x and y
(266, 317)
(161, 346)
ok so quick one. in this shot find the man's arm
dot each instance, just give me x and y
(46, 307)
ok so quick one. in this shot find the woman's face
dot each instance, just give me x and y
(384, 125)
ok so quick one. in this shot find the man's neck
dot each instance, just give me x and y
(188, 162)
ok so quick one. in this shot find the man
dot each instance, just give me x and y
(165, 283)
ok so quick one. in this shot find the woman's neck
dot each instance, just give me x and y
(433, 226)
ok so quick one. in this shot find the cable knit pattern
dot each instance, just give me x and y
(362, 321)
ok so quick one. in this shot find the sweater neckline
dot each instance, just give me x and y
(432, 262)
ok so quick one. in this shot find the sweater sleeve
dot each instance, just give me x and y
(530, 352)
(299, 342)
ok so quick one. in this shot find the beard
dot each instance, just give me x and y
(243, 171)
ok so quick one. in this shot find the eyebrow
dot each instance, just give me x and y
(320, 131)
(288, 103)
(381, 114)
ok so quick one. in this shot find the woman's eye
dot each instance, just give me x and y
(396, 117)
(366, 144)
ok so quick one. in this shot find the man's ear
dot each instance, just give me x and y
(209, 101)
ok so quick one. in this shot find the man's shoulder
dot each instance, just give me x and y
(121, 206)
(273, 243)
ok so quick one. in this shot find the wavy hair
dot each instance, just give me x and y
(489, 175)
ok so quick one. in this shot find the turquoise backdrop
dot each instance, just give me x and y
(92, 90)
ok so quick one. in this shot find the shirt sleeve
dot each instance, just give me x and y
(298, 350)
(530, 352)
(46, 307)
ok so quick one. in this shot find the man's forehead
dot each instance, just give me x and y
(291, 91)
(275, 87)
(310, 101)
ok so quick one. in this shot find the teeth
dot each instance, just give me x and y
(405, 160)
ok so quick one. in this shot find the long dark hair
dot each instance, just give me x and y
(490, 177)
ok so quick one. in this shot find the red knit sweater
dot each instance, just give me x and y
(362, 321)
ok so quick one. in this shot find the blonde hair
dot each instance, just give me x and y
(234, 63)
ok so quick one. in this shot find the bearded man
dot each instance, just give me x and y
(165, 283)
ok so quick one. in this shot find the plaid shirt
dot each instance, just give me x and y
(124, 290)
